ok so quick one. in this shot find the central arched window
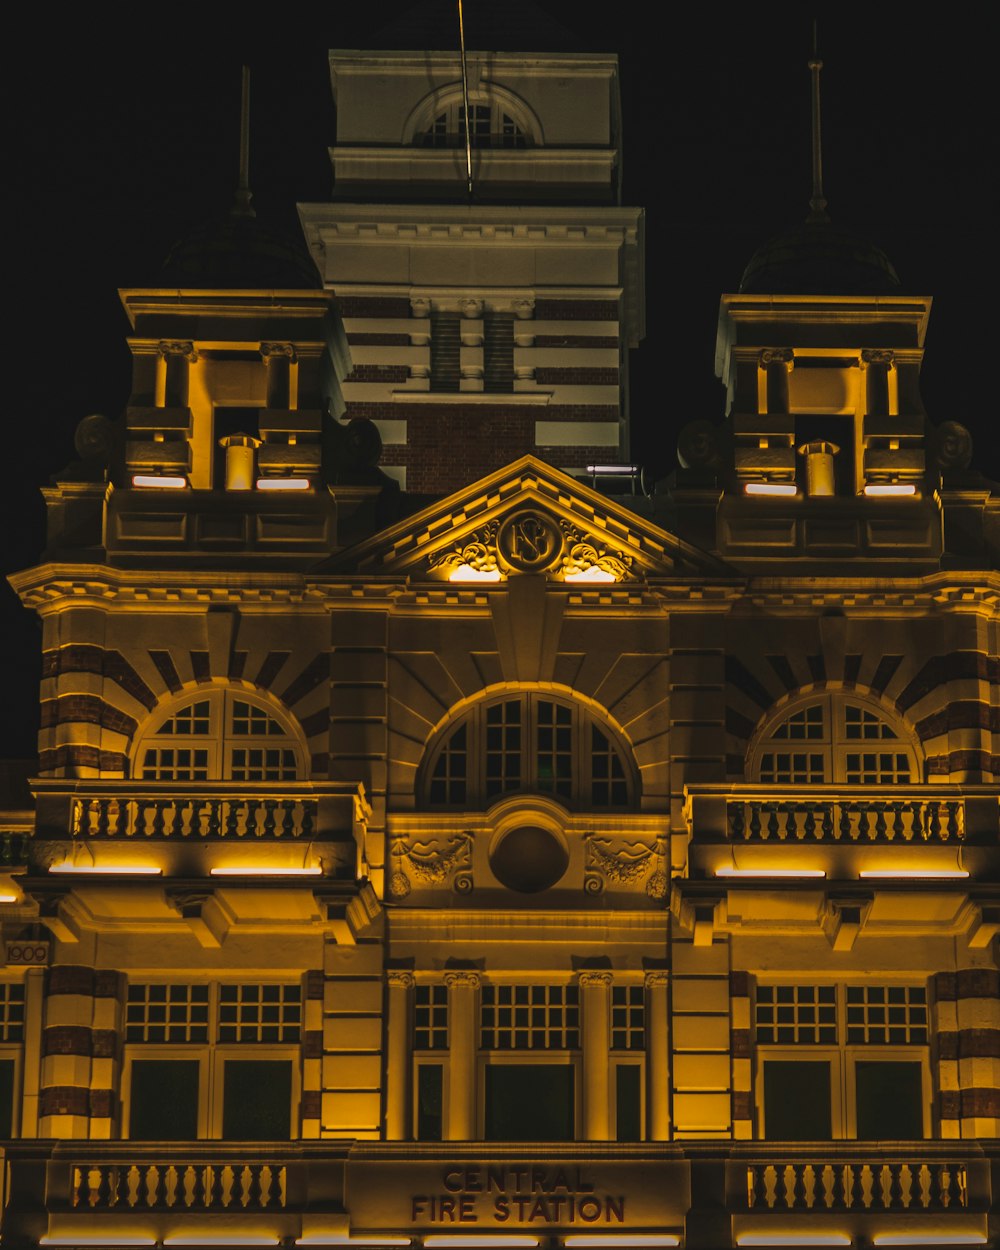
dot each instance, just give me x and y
(833, 737)
(490, 126)
(219, 735)
(528, 743)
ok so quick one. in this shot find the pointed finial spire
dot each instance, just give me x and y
(817, 202)
(243, 206)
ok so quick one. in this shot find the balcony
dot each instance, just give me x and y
(704, 1195)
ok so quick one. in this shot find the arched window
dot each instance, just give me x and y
(219, 735)
(491, 127)
(528, 743)
(833, 737)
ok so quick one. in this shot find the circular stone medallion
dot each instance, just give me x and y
(529, 542)
(529, 859)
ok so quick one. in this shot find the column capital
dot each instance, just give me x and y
(464, 979)
(177, 347)
(659, 977)
(398, 979)
(776, 356)
(593, 977)
(279, 351)
(877, 356)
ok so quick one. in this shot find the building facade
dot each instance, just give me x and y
(430, 848)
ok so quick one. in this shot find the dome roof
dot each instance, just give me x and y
(240, 252)
(819, 258)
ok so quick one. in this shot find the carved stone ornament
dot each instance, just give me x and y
(952, 445)
(466, 978)
(877, 356)
(420, 307)
(471, 308)
(699, 445)
(583, 552)
(658, 978)
(477, 550)
(530, 541)
(524, 309)
(594, 978)
(177, 347)
(278, 351)
(776, 356)
(625, 864)
(426, 864)
(399, 979)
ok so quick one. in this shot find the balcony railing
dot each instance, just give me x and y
(858, 1185)
(222, 1185)
(838, 819)
(195, 817)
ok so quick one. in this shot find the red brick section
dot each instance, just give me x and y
(315, 672)
(374, 306)
(742, 1105)
(86, 709)
(317, 723)
(314, 982)
(70, 758)
(963, 714)
(576, 310)
(574, 340)
(77, 658)
(575, 376)
(71, 979)
(103, 1103)
(740, 1043)
(104, 1043)
(378, 373)
(312, 1104)
(66, 1039)
(312, 1044)
(108, 982)
(64, 1100)
(970, 1044)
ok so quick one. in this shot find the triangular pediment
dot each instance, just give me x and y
(528, 517)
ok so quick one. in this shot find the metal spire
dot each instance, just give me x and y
(243, 206)
(465, 98)
(817, 202)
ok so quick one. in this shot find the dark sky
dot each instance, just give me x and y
(122, 135)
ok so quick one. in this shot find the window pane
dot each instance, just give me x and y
(257, 1100)
(889, 1101)
(628, 1112)
(430, 1102)
(6, 1098)
(797, 1100)
(164, 1103)
(529, 1102)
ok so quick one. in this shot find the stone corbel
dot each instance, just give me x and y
(843, 919)
(54, 917)
(985, 924)
(197, 908)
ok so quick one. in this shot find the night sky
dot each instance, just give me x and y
(123, 135)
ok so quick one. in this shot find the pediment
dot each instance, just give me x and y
(527, 518)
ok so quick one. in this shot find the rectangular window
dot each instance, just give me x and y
(628, 1017)
(503, 747)
(890, 1015)
(554, 748)
(530, 1102)
(156, 1012)
(786, 1014)
(446, 352)
(889, 1100)
(257, 1100)
(498, 352)
(797, 1100)
(260, 1013)
(430, 1017)
(628, 1102)
(12, 1011)
(430, 1102)
(163, 1099)
(530, 1017)
(8, 1086)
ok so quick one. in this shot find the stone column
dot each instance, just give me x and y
(657, 1058)
(876, 364)
(278, 357)
(462, 1022)
(177, 356)
(777, 363)
(398, 1115)
(595, 1009)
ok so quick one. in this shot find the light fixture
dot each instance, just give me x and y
(593, 574)
(8, 898)
(257, 871)
(794, 1239)
(915, 874)
(104, 870)
(111, 1241)
(769, 872)
(890, 488)
(466, 573)
(163, 482)
(472, 1241)
(929, 1239)
(771, 488)
(222, 1241)
(336, 1239)
(283, 483)
(622, 1239)
(613, 470)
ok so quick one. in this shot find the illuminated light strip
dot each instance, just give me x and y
(165, 483)
(890, 488)
(770, 872)
(466, 573)
(612, 469)
(8, 898)
(800, 1239)
(282, 483)
(617, 1239)
(318, 1239)
(118, 870)
(316, 871)
(916, 874)
(593, 574)
(771, 488)
(929, 1239)
(112, 1239)
(221, 1241)
(488, 1239)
